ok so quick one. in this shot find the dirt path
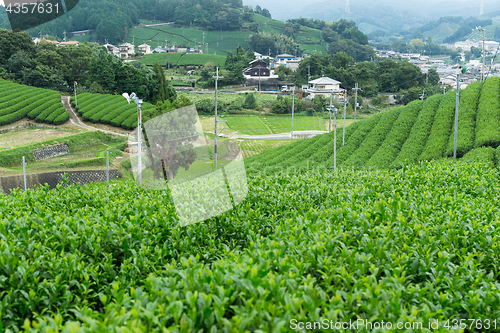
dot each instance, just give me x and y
(268, 128)
(77, 122)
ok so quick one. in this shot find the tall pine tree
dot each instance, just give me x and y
(164, 90)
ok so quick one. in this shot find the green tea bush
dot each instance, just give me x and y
(469, 99)
(415, 143)
(373, 140)
(485, 155)
(397, 136)
(56, 113)
(441, 129)
(61, 119)
(488, 114)
(388, 245)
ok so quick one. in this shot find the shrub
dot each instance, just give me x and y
(441, 129)
(488, 114)
(250, 102)
(415, 143)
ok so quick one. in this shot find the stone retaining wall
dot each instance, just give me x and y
(7, 183)
(50, 151)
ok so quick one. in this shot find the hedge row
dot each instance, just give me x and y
(17, 103)
(37, 110)
(469, 99)
(108, 109)
(113, 114)
(118, 120)
(326, 154)
(354, 142)
(61, 119)
(441, 128)
(56, 113)
(393, 142)
(106, 104)
(415, 143)
(488, 114)
(373, 140)
(485, 155)
(47, 112)
(311, 146)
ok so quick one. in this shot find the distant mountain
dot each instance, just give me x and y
(372, 15)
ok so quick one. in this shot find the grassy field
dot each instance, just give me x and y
(268, 124)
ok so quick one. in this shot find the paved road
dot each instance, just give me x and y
(73, 117)
(296, 135)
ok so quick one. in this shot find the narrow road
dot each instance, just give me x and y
(296, 135)
(73, 117)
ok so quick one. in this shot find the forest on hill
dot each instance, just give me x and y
(111, 19)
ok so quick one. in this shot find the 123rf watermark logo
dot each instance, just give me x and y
(361, 324)
(31, 13)
(203, 179)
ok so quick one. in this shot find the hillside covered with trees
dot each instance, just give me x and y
(111, 19)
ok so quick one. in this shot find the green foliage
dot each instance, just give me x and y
(18, 101)
(14, 156)
(164, 91)
(397, 136)
(373, 140)
(109, 109)
(483, 155)
(441, 129)
(469, 99)
(250, 102)
(94, 266)
(279, 106)
(488, 114)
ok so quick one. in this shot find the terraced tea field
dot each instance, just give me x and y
(422, 130)
(19, 101)
(387, 245)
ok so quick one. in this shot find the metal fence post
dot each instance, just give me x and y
(24, 173)
(107, 167)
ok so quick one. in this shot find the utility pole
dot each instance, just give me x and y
(456, 117)
(484, 56)
(444, 89)
(308, 73)
(356, 99)
(216, 77)
(64, 35)
(345, 109)
(482, 69)
(422, 96)
(259, 78)
(137, 101)
(74, 88)
(293, 107)
(329, 111)
(335, 139)
(203, 37)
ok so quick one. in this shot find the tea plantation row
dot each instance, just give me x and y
(19, 101)
(108, 109)
(422, 130)
(414, 244)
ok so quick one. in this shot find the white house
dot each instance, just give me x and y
(144, 48)
(126, 50)
(324, 86)
(112, 49)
